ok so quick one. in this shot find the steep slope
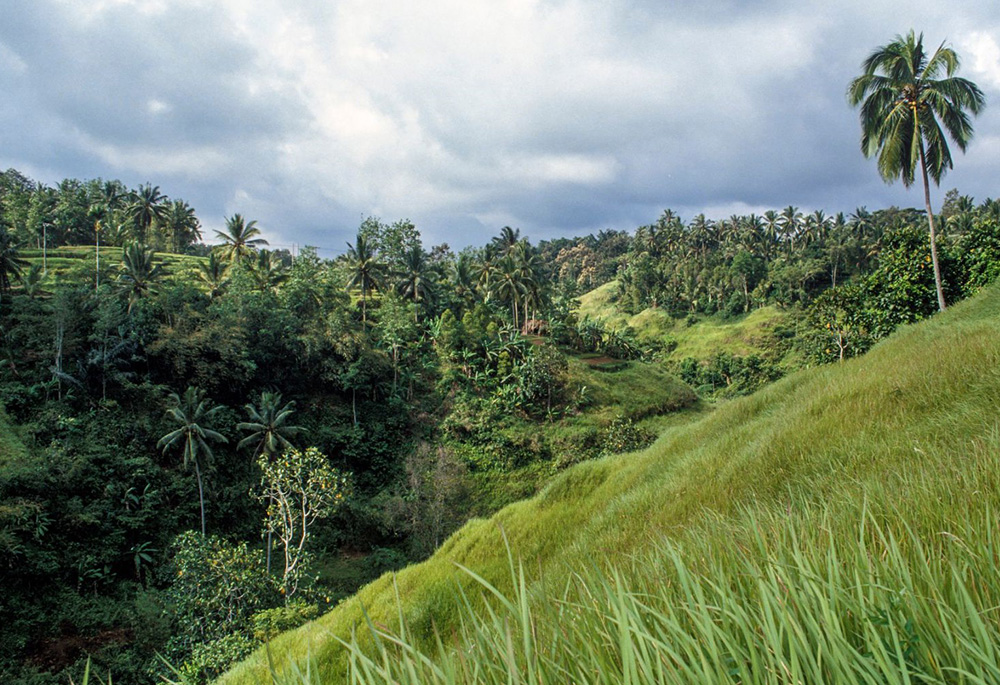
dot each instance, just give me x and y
(908, 433)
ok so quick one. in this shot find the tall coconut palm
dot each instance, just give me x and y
(905, 102)
(191, 412)
(463, 280)
(240, 238)
(180, 225)
(269, 433)
(507, 239)
(364, 271)
(138, 274)
(415, 280)
(269, 430)
(147, 207)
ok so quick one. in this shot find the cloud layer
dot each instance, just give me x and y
(558, 117)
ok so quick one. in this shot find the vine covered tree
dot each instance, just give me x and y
(911, 103)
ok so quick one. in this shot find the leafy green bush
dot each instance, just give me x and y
(269, 623)
(209, 660)
(624, 436)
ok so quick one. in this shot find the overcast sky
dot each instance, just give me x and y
(560, 118)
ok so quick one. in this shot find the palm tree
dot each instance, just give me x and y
(180, 225)
(10, 260)
(904, 104)
(214, 275)
(268, 425)
(509, 286)
(146, 208)
(268, 271)
(463, 280)
(364, 271)
(790, 223)
(190, 412)
(415, 281)
(507, 239)
(138, 274)
(240, 238)
(269, 433)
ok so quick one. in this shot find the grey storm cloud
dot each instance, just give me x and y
(558, 117)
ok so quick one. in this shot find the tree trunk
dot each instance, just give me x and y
(930, 223)
(201, 495)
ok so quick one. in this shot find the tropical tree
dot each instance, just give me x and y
(508, 238)
(191, 412)
(269, 434)
(415, 280)
(147, 206)
(10, 260)
(299, 488)
(269, 430)
(267, 271)
(462, 279)
(240, 238)
(180, 225)
(214, 274)
(138, 274)
(364, 271)
(906, 98)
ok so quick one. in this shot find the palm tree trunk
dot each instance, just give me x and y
(930, 223)
(201, 495)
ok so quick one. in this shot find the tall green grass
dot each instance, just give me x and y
(876, 608)
(839, 526)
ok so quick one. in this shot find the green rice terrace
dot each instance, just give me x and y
(61, 261)
(837, 526)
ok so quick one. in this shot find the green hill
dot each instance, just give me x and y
(870, 488)
(757, 332)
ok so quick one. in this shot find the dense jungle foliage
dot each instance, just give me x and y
(170, 399)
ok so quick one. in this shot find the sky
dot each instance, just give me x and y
(560, 118)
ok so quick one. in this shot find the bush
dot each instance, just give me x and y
(624, 436)
(270, 623)
(210, 660)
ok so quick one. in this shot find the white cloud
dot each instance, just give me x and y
(985, 63)
(11, 61)
(551, 115)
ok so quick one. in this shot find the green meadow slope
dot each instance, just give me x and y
(907, 435)
(754, 333)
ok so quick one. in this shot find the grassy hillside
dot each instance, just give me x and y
(62, 260)
(753, 333)
(905, 437)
